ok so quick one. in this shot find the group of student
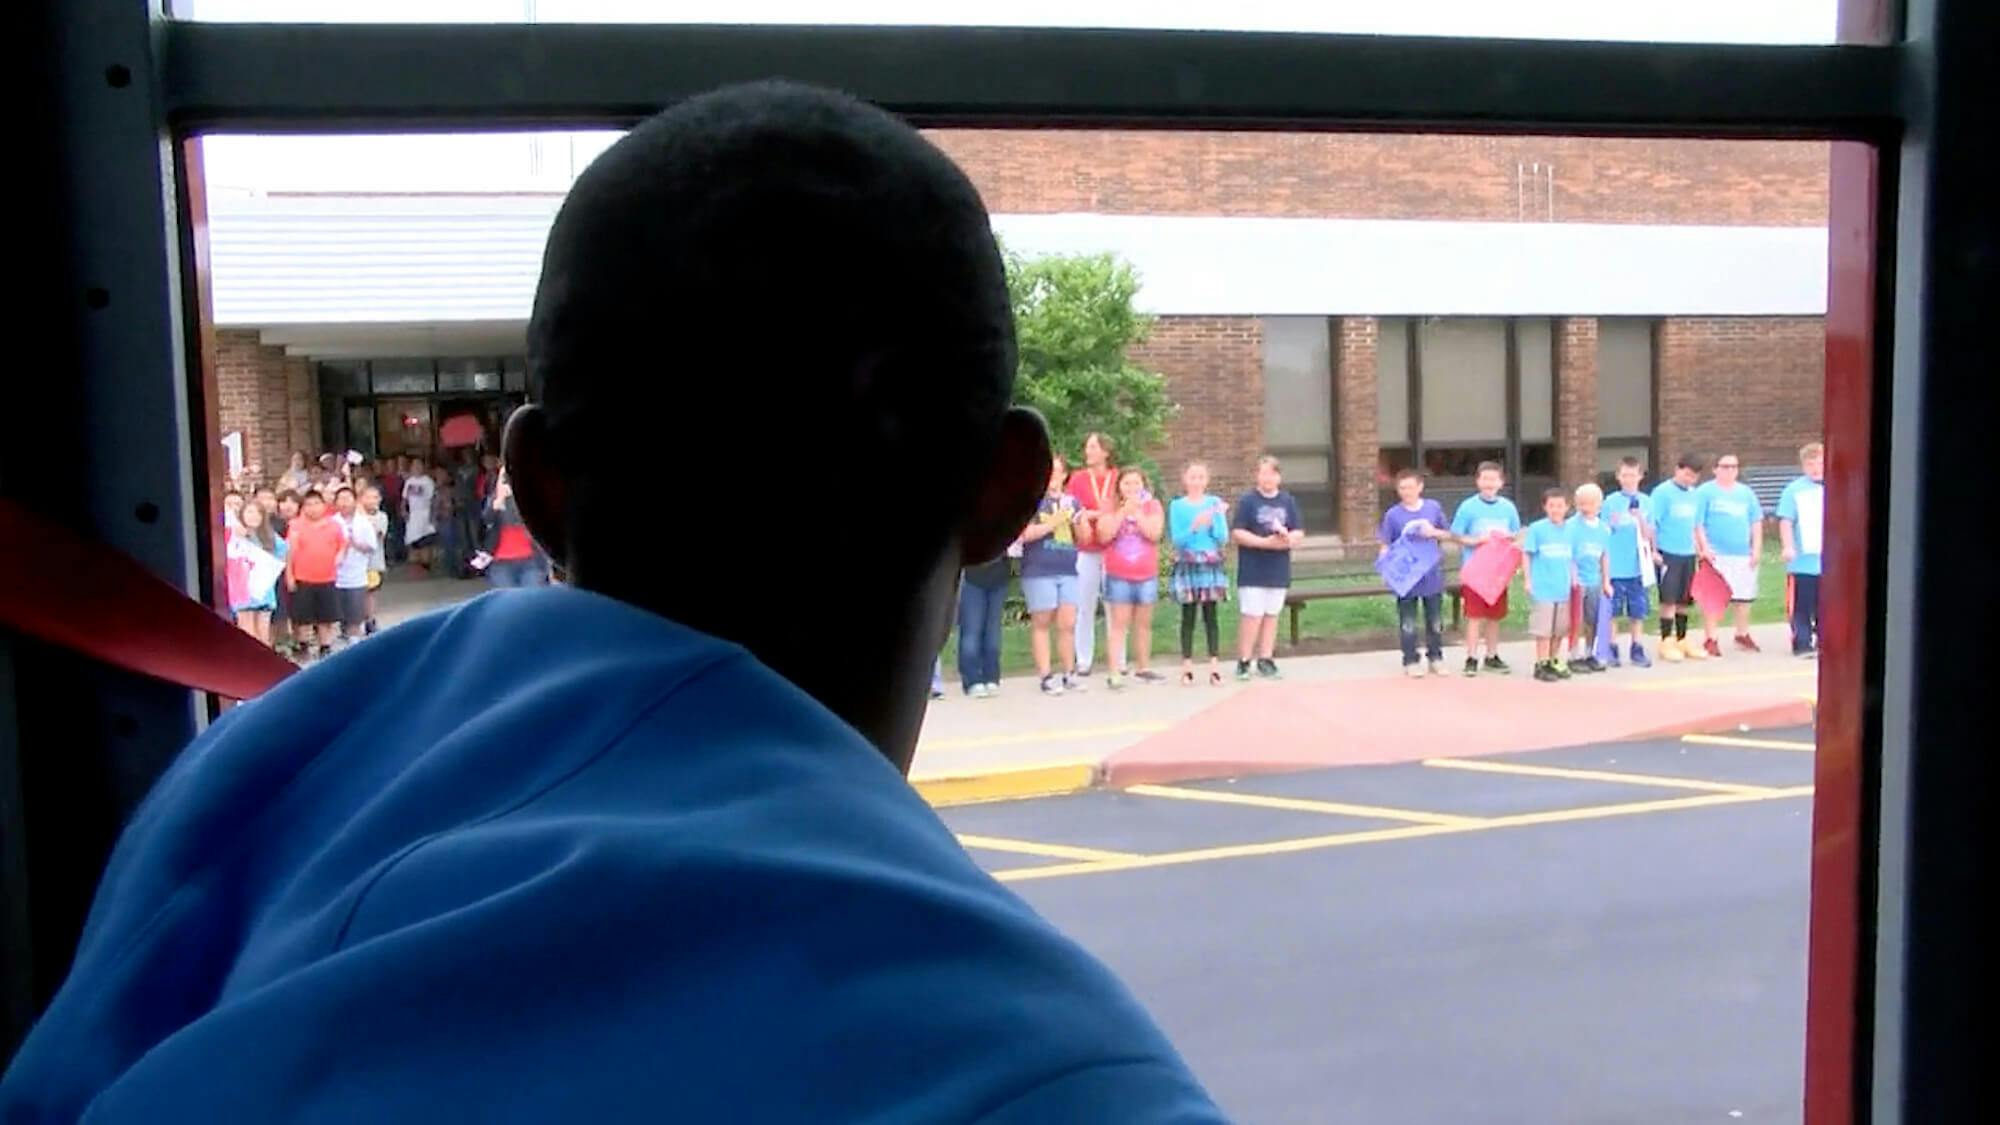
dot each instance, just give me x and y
(306, 554)
(1610, 557)
(1099, 533)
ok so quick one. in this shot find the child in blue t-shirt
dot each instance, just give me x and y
(1551, 576)
(1632, 551)
(1590, 547)
(1801, 527)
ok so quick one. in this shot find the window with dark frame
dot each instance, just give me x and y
(1453, 392)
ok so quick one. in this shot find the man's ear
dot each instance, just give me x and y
(539, 491)
(1014, 484)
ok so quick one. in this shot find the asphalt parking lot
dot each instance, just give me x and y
(1604, 933)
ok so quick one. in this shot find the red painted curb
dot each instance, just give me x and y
(1293, 728)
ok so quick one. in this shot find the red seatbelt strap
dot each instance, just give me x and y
(59, 587)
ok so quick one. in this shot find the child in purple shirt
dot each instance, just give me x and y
(1418, 517)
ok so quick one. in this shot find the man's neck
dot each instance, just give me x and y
(1271, 495)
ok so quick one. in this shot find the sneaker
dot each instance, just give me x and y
(1115, 682)
(1747, 643)
(1495, 664)
(1148, 676)
(1243, 671)
(1437, 667)
(1561, 669)
(992, 690)
(1614, 662)
(1584, 665)
(976, 691)
(1639, 659)
(1268, 669)
(1712, 647)
(1076, 681)
(1805, 653)
(1671, 652)
(1471, 666)
(937, 694)
(1052, 685)
(1546, 673)
(1414, 671)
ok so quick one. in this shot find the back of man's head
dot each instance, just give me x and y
(771, 299)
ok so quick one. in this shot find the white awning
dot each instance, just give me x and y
(300, 262)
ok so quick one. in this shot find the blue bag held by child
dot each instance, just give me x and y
(1409, 559)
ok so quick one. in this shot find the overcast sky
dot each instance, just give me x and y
(547, 162)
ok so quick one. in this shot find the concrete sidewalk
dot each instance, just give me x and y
(1343, 709)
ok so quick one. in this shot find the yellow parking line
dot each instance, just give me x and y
(1674, 683)
(1029, 738)
(1410, 832)
(1479, 765)
(1293, 804)
(1047, 851)
(1040, 779)
(1748, 743)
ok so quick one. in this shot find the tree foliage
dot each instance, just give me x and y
(1076, 323)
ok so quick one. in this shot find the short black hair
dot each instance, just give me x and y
(780, 260)
(341, 489)
(1554, 492)
(288, 494)
(1410, 474)
(1689, 461)
(1630, 463)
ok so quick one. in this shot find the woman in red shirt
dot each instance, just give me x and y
(1095, 489)
(516, 561)
(1131, 556)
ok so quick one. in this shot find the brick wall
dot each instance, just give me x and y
(1359, 441)
(269, 397)
(1214, 366)
(1382, 176)
(1753, 386)
(1576, 400)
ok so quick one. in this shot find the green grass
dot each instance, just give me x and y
(1339, 625)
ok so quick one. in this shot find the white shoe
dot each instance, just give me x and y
(1437, 668)
(992, 689)
(977, 691)
(1414, 671)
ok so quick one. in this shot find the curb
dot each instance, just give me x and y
(1047, 779)
(1791, 713)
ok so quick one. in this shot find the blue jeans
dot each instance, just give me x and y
(979, 634)
(1406, 622)
(516, 573)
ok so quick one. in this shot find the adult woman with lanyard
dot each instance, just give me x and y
(1095, 490)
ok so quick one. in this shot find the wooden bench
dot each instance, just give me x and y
(1296, 599)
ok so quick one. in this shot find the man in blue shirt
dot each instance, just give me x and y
(629, 850)
(1675, 511)
(1628, 558)
(1551, 577)
(1729, 533)
(1801, 530)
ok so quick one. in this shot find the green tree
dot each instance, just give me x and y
(1076, 324)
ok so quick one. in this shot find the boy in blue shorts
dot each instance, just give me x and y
(1631, 542)
(1675, 510)
(1801, 527)
(1589, 542)
(1551, 575)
